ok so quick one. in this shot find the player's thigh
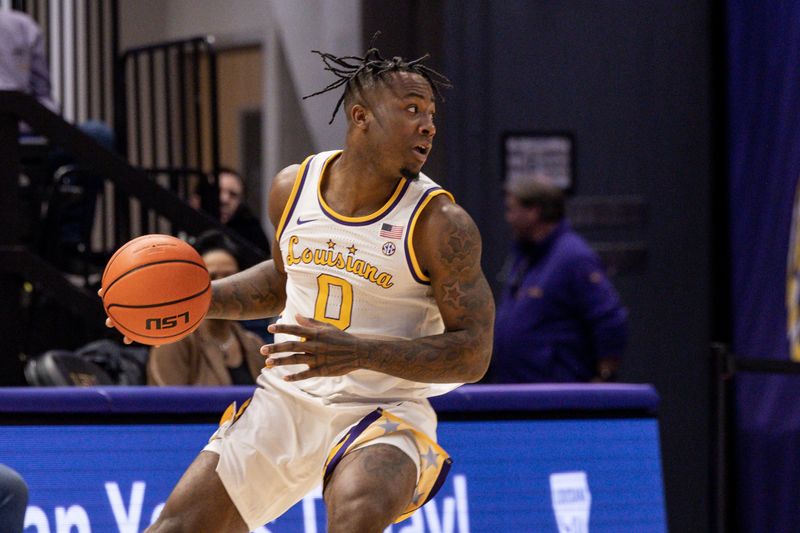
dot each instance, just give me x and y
(369, 489)
(199, 502)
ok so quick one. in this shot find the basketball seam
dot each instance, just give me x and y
(137, 240)
(207, 287)
(105, 291)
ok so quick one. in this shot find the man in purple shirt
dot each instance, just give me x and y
(559, 318)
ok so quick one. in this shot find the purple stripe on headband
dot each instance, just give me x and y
(372, 220)
(425, 195)
(351, 436)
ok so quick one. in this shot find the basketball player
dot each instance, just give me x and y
(376, 276)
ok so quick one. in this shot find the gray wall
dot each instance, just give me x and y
(287, 32)
(630, 80)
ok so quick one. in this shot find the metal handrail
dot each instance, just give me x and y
(161, 91)
(113, 168)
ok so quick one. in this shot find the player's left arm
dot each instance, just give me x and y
(448, 249)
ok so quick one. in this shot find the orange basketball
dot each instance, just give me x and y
(156, 289)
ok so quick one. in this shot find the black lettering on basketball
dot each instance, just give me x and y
(166, 322)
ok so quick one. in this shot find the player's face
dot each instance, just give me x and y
(220, 264)
(404, 112)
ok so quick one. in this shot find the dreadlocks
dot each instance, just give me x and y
(360, 72)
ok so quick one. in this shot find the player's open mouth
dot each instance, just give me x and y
(422, 150)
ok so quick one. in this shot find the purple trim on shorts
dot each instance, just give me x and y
(408, 236)
(351, 436)
(439, 480)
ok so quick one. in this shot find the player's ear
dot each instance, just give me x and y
(359, 116)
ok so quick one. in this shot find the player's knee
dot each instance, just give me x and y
(363, 509)
(362, 514)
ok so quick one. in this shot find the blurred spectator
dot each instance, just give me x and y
(75, 193)
(559, 318)
(24, 67)
(234, 212)
(220, 352)
(23, 64)
(13, 500)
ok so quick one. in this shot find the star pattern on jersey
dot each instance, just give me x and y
(331, 244)
(352, 249)
(430, 458)
(389, 426)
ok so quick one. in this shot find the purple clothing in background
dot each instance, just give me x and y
(558, 313)
(23, 63)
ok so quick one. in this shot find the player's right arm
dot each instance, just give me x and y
(259, 291)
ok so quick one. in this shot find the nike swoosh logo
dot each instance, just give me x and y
(301, 221)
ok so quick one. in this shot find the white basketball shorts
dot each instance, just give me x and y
(275, 450)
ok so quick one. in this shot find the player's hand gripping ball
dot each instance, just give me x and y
(156, 289)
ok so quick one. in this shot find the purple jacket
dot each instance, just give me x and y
(558, 314)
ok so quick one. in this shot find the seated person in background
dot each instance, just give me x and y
(78, 187)
(13, 500)
(559, 318)
(23, 63)
(234, 212)
(220, 352)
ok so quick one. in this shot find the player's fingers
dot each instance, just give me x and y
(100, 292)
(288, 346)
(110, 324)
(309, 322)
(294, 359)
(310, 373)
(291, 329)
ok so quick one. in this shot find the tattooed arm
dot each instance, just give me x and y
(448, 248)
(259, 291)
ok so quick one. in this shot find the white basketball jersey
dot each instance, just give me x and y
(359, 274)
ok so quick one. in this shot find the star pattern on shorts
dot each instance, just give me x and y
(430, 458)
(389, 426)
(352, 249)
(331, 244)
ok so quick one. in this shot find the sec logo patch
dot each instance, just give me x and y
(389, 248)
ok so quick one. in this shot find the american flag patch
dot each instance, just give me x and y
(391, 232)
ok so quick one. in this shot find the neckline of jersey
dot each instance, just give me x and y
(364, 219)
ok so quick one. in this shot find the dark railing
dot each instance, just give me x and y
(132, 183)
(725, 366)
(168, 124)
(81, 40)
(24, 257)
